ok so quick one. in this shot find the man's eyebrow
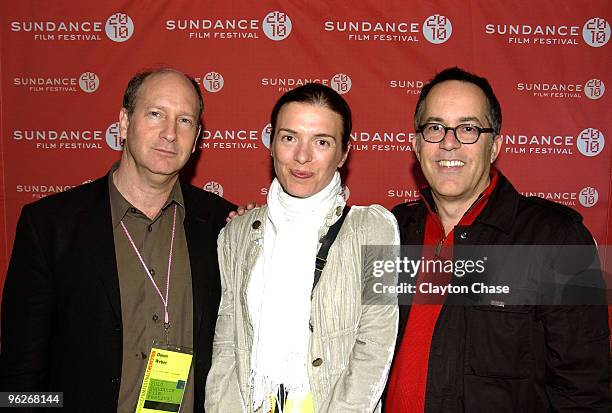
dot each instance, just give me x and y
(470, 119)
(434, 119)
(287, 130)
(324, 135)
(166, 108)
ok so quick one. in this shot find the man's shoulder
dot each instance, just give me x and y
(407, 209)
(202, 198)
(73, 199)
(545, 208)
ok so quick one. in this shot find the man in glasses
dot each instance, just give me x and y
(487, 355)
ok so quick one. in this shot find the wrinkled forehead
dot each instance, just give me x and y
(167, 83)
(455, 101)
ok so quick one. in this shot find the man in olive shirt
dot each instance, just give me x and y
(100, 271)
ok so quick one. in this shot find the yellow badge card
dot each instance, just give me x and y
(295, 404)
(165, 379)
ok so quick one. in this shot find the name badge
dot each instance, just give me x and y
(165, 379)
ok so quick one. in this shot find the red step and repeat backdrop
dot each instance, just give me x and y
(65, 64)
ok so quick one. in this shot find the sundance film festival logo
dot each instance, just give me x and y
(406, 195)
(588, 197)
(89, 82)
(119, 27)
(213, 82)
(214, 187)
(341, 83)
(381, 140)
(266, 134)
(41, 190)
(59, 139)
(277, 25)
(594, 89)
(437, 29)
(590, 142)
(113, 137)
(411, 87)
(596, 32)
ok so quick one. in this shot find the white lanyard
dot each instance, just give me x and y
(164, 299)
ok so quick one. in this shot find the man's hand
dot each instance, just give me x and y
(241, 210)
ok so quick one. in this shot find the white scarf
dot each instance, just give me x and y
(282, 294)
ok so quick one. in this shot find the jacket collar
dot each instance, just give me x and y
(200, 245)
(96, 231)
(500, 211)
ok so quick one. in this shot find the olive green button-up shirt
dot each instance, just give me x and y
(142, 309)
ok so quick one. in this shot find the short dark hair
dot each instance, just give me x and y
(131, 91)
(494, 115)
(317, 94)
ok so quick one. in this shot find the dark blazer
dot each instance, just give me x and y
(526, 358)
(61, 308)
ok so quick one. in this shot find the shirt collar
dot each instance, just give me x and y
(120, 206)
(474, 210)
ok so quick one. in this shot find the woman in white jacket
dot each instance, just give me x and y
(289, 337)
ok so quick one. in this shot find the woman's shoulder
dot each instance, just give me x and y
(375, 214)
(376, 223)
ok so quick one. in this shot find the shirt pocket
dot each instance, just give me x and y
(499, 341)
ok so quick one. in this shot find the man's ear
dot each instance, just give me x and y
(416, 147)
(195, 142)
(495, 148)
(124, 123)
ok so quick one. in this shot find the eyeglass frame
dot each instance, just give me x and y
(454, 129)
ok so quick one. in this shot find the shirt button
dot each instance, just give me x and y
(310, 326)
(317, 362)
(152, 271)
(463, 235)
(115, 380)
(155, 317)
(150, 228)
(133, 210)
(256, 224)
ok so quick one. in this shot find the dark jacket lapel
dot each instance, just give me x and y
(94, 224)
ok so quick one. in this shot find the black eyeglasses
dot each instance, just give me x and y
(465, 133)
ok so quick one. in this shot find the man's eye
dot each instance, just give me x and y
(468, 128)
(434, 127)
(287, 138)
(186, 121)
(154, 114)
(323, 142)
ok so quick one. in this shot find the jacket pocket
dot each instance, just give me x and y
(499, 341)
